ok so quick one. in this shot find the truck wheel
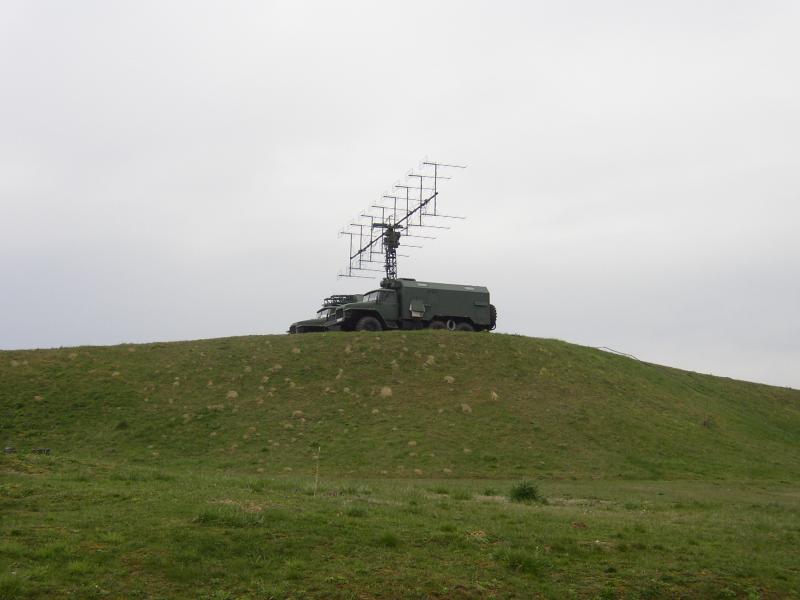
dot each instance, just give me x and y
(368, 324)
(465, 327)
(437, 325)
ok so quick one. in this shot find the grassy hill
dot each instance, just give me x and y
(381, 466)
(426, 404)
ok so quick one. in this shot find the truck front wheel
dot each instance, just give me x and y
(464, 326)
(368, 323)
(437, 325)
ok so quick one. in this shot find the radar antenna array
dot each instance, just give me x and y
(410, 210)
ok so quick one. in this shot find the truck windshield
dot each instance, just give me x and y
(324, 313)
(379, 296)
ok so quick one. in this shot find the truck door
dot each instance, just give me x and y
(388, 307)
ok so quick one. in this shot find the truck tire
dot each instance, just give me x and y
(492, 317)
(368, 323)
(464, 326)
(437, 325)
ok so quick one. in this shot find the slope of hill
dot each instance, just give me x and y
(380, 466)
(421, 404)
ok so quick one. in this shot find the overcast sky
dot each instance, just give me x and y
(179, 170)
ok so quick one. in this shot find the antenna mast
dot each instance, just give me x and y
(411, 207)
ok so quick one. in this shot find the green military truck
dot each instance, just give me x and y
(324, 314)
(410, 304)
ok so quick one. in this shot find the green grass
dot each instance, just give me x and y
(658, 483)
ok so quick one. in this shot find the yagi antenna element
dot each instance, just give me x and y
(411, 207)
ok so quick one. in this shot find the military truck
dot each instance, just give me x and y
(410, 304)
(324, 314)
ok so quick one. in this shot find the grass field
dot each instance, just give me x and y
(380, 466)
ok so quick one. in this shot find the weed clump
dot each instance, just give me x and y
(522, 561)
(295, 569)
(388, 540)
(525, 491)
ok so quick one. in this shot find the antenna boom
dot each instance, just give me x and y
(377, 231)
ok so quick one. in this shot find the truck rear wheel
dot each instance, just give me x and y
(437, 325)
(464, 326)
(368, 323)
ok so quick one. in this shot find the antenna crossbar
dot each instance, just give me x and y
(377, 231)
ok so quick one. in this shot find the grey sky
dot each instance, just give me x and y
(177, 170)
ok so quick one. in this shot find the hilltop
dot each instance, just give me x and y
(382, 466)
(397, 404)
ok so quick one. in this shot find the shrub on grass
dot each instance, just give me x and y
(525, 491)
(295, 569)
(522, 561)
(388, 540)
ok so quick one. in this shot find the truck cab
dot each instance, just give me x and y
(324, 314)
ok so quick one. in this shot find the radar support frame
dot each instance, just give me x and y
(374, 236)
